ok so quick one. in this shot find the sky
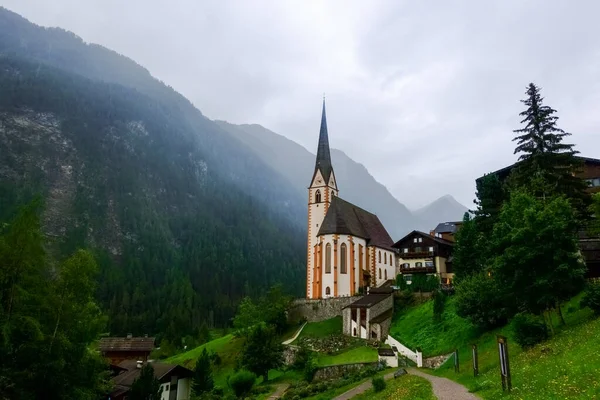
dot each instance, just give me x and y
(424, 93)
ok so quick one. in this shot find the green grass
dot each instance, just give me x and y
(414, 327)
(353, 355)
(331, 393)
(563, 367)
(409, 387)
(322, 329)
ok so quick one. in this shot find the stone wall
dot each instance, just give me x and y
(380, 307)
(436, 362)
(289, 354)
(337, 371)
(318, 310)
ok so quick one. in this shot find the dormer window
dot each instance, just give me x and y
(318, 196)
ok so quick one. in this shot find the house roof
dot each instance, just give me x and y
(368, 301)
(161, 371)
(345, 218)
(126, 344)
(386, 352)
(447, 227)
(398, 244)
(382, 317)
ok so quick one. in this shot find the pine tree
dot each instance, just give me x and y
(467, 251)
(262, 351)
(146, 386)
(203, 379)
(490, 196)
(547, 165)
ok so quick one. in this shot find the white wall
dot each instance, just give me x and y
(391, 361)
(183, 389)
(343, 280)
(360, 331)
(389, 267)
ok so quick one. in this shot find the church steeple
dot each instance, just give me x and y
(323, 156)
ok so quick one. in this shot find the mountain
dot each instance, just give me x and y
(184, 218)
(356, 184)
(444, 209)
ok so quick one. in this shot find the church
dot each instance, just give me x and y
(348, 248)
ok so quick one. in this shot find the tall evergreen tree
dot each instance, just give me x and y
(203, 378)
(547, 165)
(490, 196)
(146, 386)
(467, 251)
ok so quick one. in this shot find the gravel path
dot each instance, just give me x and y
(279, 391)
(445, 389)
(295, 335)
(363, 387)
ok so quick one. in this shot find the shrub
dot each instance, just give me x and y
(378, 384)
(439, 299)
(591, 298)
(529, 330)
(479, 299)
(242, 382)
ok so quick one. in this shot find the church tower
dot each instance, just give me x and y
(322, 188)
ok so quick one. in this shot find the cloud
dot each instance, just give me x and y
(424, 93)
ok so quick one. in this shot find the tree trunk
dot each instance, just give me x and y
(560, 314)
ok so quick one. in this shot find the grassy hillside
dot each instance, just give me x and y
(406, 387)
(321, 329)
(563, 367)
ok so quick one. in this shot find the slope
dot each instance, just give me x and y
(444, 209)
(296, 165)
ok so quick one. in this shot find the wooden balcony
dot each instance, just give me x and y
(417, 254)
(418, 270)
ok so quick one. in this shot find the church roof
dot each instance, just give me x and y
(347, 219)
(323, 162)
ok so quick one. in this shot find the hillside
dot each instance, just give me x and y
(356, 184)
(131, 178)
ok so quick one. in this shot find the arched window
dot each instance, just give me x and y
(379, 273)
(343, 259)
(327, 291)
(328, 258)
(418, 265)
(385, 273)
(379, 255)
(385, 258)
(391, 265)
(318, 196)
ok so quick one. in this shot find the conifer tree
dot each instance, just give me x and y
(203, 379)
(490, 196)
(548, 165)
(146, 387)
(467, 260)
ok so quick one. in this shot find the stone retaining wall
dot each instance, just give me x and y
(319, 309)
(337, 371)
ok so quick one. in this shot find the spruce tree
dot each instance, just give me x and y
(547, 165)
(203, 379)
(146, 387)
(490, 196)
(466, 254)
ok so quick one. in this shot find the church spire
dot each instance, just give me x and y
(323, 156)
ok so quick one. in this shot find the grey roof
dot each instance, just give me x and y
(127, 344)
(161, 371)
(345, 218)
(323, 162)
(368, 301)
(386, 352)
(446, 227)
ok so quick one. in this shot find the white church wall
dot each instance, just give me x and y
(385, 265)
(327, 278)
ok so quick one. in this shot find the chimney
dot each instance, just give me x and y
(129, 336)
(139, 364)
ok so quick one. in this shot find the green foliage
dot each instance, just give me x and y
(378, 384)
(242, 382)
(203, 379)
(322, 329)
(439, 300)
(404, 387)
(591, 297)
(490, 196)
(262, 351)
(48, 317)
(594, 227)
(480, 299)
(270, 309)
(306, 363)
(146, 386)
(529, 330)
(548, 165)
(538, 262)
(423, 283)
(467, 252)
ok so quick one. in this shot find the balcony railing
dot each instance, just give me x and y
(417, 254)
(418, 270)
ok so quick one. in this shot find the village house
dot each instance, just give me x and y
(446, 230)
(175, 380)
(421, 253)
(118, 349)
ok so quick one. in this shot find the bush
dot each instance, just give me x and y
(242, 382)
(439, 299)
(378, 384)
(479, 299)
(529, 330)
(591, 298)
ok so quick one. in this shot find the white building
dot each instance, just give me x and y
(348, 247)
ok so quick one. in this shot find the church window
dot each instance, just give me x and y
(332, 194)
(379, 255)
(327, 291)
(318, 196)
(354, 331)
(328, 258)
(385, 273)
(385, 258)
(391, 260)
(343, 259)
(379, 273)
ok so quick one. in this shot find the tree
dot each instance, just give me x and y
(146, 386)
(247, 316)
(595, 212)
(490, 196)
(467, 251)
(203, 379)
(262, 351)
(480, 299)
(538, 261)
(547, 165)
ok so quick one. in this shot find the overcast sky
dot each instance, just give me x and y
(424, 93)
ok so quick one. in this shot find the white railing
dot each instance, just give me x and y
(415, 356)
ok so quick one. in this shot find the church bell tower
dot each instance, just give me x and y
(323, 187)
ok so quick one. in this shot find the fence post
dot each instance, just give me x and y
(504, 363)
(419, 357)
(475, 361)
(456, 364)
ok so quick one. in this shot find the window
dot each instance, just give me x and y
(431, 249)
(407, 278)
(327, 291)
(415, 240)
(385, 273)
(328, 258)
(405, 265)
(391, 260)
(379, 273)
(385, 258)
(379, 255)
(419, 265)
(594, 182)
(354, 332)
(417, 249)
(405, 250)
(318, 196)
(167, 387)
(429, 263)
(343, 259)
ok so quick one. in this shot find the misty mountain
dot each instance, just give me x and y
(444, 209)
(356, 184)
